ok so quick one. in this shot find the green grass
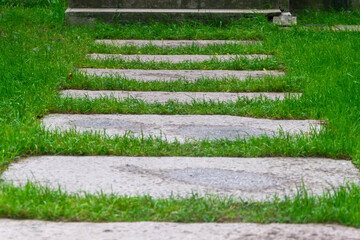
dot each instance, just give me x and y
(214, 64)
(329, 18)
(37, 52)
(290, 108)
(341, 206)
(266, 84)
(224, 49)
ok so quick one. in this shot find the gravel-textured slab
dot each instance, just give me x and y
(186, 97)
(247, 178)
(171, 43)
(180, 127)
(173, 75)
(31, 229)
(175, 58)
(355, 28)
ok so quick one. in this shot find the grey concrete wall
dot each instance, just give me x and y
(217, 4)
(356, 4)
(176, 4)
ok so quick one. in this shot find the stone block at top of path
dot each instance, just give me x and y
(172, 43)
(246, 178)
(173, 75)
(180, 127)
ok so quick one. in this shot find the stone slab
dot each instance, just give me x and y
(172, 43)
(184, 97)
(340, 28)
(175, 58)
(178, 4)
(285, 19)
(180, 127)
(32, 229)
(355, 28)
(81, 16)
(173, 75)
(160, 177)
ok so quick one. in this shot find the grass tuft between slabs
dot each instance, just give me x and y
(290, 108)
(267, 84)
(36, 202)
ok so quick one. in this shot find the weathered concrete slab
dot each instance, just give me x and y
(247, 178)
(172, 43)
(173, 75)
(180, 127)
(175, 58)
(318, 27)
(355, 28)
(32, 229)
(186, 97)
(114, 15)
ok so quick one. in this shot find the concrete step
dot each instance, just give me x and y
(113, 15)
(160, 177)
(173, 75)
(173, 43)
(319, 27)
(355, 28)
(184, 97)
(180, 127)
(178, 4)
(175, 58)
(34, 229)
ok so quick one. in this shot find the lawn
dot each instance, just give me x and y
(37, 53)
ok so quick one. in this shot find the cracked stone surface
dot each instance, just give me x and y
(247, 178)
(171, 43)
(175, 58)
(186, 97)
(180, 127)
(32, 229)
(173, 75)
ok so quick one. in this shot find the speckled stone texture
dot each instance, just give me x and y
(355, 28)
(180, 127)
(185, 97)
(247, 178)
(31, 229)
(173, 75)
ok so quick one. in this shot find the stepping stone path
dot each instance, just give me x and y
(185, 97)
(247, 178)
